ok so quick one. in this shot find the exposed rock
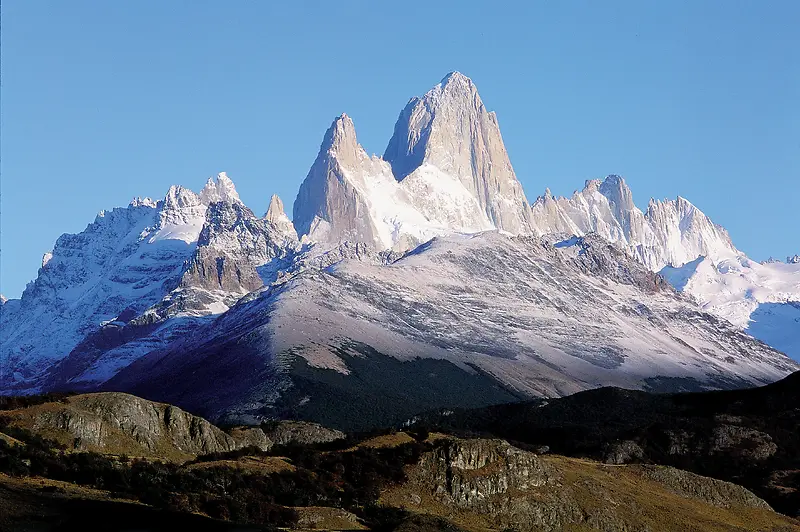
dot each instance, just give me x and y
(285, 432)
(710, 490)
(449, 128)
(468, 473)
(624, 452)
(118, 423)
(747, 442)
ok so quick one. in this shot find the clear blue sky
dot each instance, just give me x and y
(103, 101)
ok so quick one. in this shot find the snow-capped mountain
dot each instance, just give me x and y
(187, 255)
(669, 232)
(493, 312)
(445, 170)
(426, 266)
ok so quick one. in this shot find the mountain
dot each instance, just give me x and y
(448, 133)
(696, 256)
(671, 232)
(445, 170)
(417, 280)
(136, 277)
(363, 343)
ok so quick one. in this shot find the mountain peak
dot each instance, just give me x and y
(456, 81)
(179, 197)
(341, 142)
(450, 129)
(275, 210)
(221, 190)
(276, 215)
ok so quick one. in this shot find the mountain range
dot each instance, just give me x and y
(418, 280)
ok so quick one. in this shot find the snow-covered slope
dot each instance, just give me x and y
(534, 317)
(122, 263)
(764, 299)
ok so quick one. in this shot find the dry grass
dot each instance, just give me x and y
(252, 464)
(603, 495)
(325, 518)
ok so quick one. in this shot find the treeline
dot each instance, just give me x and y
(350, 480)
(13, 402)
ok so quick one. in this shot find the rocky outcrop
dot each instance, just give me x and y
(471, 473)
(481, 484)
(710, 490)
(118, 423)
(301, 432)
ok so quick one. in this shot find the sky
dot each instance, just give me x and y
(105, 101)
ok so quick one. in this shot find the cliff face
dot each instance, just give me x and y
(490, 484)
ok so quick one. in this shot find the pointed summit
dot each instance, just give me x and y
(221, 190)
(275, 212)
(277, 217)
(331, 203)
(450, 129)
(620, 200)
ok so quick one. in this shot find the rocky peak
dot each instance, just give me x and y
(179, 197)
(619, 195)
(276, 215)
(143, 202)
(341, 142)
(449, 128)
(221, 190)
(793, 260)
(331, 203)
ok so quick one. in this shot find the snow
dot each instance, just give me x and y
(127, 258)
(761, 298)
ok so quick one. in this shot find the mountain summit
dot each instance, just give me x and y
(445, 170)
(449, 128)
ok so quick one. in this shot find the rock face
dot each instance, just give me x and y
(469, 473)
(284, 432)
(488, 484)
(670, 232)
(118, 423)
(450, 129)
(276, 215)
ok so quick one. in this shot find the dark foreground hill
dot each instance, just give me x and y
(115, 462)
(750, 437)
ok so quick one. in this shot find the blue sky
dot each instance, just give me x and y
(104, 101)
